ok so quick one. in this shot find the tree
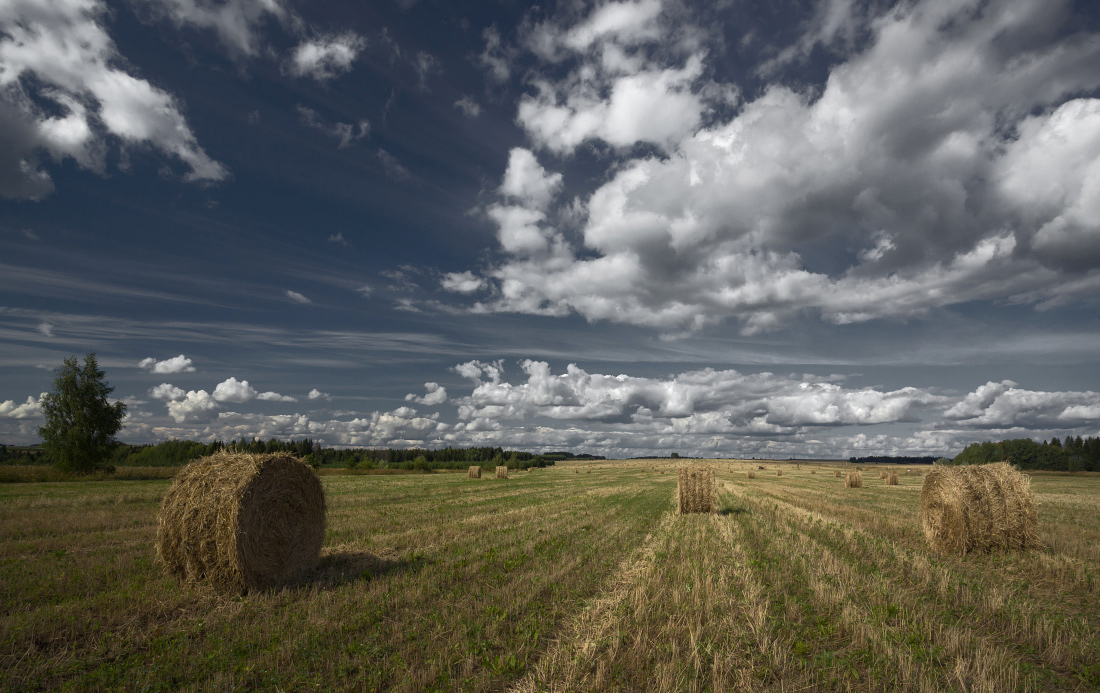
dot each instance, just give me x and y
(80, 421)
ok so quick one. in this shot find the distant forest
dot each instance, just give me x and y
(1074, 454)
(173, 453)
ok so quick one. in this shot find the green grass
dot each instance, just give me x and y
(553, 579)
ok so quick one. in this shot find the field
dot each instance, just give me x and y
(577, 577)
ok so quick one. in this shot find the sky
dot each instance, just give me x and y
(739, 228)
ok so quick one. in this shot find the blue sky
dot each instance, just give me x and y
(740, 228)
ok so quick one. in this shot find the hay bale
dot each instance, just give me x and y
(751, 474)
(978, 509)
(695, 490)
(854, 480)
(502, 472)
(813, 471)
(837, 474)
(882, 474)
(474, 472)
(892, 479)
(779, 472)
(240, 521)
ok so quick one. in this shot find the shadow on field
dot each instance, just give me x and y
(732, 510)
(339, 567)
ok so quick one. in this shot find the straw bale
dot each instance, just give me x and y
(474, 472)
(837, 474)
(882, 474)
(854, 480)
(751, 474)
(695, 490)
(978, 509)
(502, 472)
(813, 471)
(779, 472)
(892, 479)
(240, 521)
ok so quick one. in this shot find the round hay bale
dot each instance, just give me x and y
(779, 472)
(695, 490)
(837, 474)
(892, 479)
(474, 472)
(242, 521)
(751, 474)
(978, 509)
(854, 480)
(502, 472)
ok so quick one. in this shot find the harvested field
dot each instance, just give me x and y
(555, 581)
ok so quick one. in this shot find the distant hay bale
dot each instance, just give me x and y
(882, 474)
(837, 474)
(751, 474)
(892, 479)
(502, 472)
(854, 480)
(978, 509)
(240, 521)
(475, 472)
(695, 490)
(813, 471)
(779, 472)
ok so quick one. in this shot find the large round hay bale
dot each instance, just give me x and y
(892, 479)
(502, 472)
(751, 474)
(474, 472)
(242, 521)
(853, 480)
(695, 490)
(978, 509)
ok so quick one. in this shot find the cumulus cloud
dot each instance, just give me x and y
(31, 408)
(347, 133)
(950, 168)
(167, 392)
(1003, 405)
(238, 391)
(176, 364)
(325, 57)
(317, 394)
(725, 401)
(526, 181)
(462, 282)
(193, 406)
(59, 52)
(436, 394)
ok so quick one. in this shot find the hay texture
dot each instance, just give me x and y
(779, 472)
(751, 474)
(837, 474)
(853, 480)
(502, 472)
(892, 479)
(239, 521)
(695, 490)
(474, 472)
(978, 509)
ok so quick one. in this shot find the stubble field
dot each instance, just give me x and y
(577, 577)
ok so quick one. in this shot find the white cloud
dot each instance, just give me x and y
(337, 238)
(901, 157)
(233, 390)
(31, 408)
(176, 364)
(462, 282)
(194, 406)
(347, 133)
(625, 22)
(468, 106)
(297, 297)
(236, 22)
(526, 181)
(317, 394)
(167, 392)
(58, 51)
(274, 397)
(45, 328)
(1004, 405)
(495, 57)
(436, 394)
(326, 57)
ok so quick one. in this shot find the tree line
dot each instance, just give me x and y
(1074, 454)
(891, 459)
